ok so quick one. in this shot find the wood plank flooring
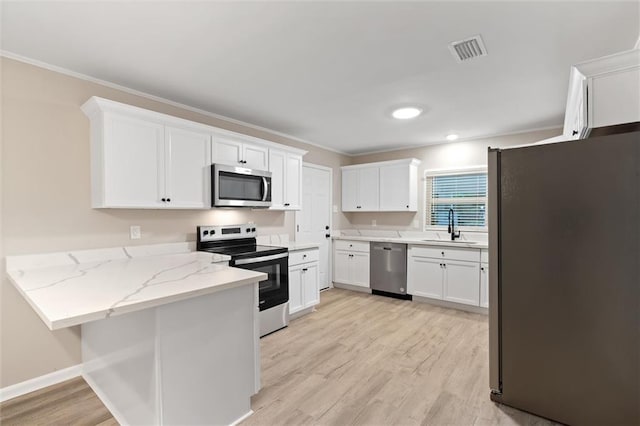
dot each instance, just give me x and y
(68, 403)
(358, 360)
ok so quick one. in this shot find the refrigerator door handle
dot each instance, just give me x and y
(493, 179)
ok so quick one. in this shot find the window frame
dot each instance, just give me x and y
(452, 172)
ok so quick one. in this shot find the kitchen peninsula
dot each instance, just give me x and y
(169, 336)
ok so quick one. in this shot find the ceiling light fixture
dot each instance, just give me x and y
(406, 112)
(452, 137)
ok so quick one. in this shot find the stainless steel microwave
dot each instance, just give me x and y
(233, 186)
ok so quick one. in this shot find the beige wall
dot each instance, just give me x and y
(46, 201)
(449, 155)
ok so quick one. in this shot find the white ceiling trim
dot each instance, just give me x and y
(71, 73)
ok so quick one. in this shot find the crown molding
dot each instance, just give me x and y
(40, 64)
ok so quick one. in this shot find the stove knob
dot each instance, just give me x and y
(213, 231)
(205, 233)
(253, 229)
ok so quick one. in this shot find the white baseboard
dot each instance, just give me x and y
(40, 382)
(241, 419)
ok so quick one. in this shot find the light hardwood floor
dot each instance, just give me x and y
(359, 359)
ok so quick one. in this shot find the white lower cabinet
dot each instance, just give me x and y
(304, 290)
(484, 285)
(454, 275)
(351, 263)
(461, 282)
(425, 277)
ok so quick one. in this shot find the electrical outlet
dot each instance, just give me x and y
(373, 222)
(134, 232)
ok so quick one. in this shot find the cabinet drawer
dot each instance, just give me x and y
(361, 246)
(445, 253)
(303, 256)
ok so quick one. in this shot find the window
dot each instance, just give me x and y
(464, 191)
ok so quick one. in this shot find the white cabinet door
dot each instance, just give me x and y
(310, 291)
(461, 282)
(293, 180)
(133, 163)
(425, 277)
(359, 269)
(341, 266)
(188, 155)
(296, 301)
(396, 187)
(277, 162)
(227, 151)
(484, 285)
(349, 190)
(368, 189)
(255, 157)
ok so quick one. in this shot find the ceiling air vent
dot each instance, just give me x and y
(469, 48)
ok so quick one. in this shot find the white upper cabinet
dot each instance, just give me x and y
(236, 152)
(399, 186)
(603, 92)
(148, 160)
(360, 189)
(142, 163)
(187, 175)
(128, 163)
(383, 186)
(286, 180)
(349, 190)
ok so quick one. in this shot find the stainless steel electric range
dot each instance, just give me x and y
(239, 242)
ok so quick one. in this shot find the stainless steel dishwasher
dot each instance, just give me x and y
(388, 270)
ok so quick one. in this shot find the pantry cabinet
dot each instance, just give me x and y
(304, 290)
(139, 162)
(286, 180)
(603, 92)
(351, 263)
(383, 186)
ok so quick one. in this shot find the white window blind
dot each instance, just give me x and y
(465, 193)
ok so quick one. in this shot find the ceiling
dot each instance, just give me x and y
(331, 72)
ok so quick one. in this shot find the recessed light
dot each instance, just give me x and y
(406, 113)
(452, 137)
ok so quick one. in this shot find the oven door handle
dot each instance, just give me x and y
(265, 188)
(261, 259)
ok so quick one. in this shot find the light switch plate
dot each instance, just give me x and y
(134, 232)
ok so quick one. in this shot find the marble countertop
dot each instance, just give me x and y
(415, 241)
(67, 289)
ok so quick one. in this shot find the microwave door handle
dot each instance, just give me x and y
(265, 188)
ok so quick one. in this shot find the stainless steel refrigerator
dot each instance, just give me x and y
(564, 292)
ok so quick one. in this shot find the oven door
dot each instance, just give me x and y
(275, 289)
(240, 187)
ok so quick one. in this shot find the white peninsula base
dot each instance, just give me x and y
(182, 363)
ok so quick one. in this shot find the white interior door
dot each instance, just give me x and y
(313, 220)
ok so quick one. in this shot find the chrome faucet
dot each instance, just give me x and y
(451, 228)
